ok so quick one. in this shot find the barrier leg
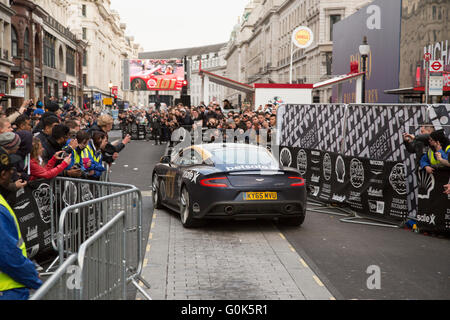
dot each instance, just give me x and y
(322, 208)
(141, 290)
(380, 224)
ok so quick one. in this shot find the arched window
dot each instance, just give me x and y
(37, 50)
(26, 44)
(14, 46)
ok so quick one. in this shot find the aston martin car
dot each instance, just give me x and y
(228, 181)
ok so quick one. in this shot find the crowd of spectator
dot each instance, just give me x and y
(162, 122)
(49, 141)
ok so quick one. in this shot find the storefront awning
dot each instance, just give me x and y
(337, 80)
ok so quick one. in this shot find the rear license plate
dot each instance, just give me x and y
(255, 196)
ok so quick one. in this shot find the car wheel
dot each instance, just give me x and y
(156, 195)
(186, 213)
(138, 84)
(293, 221)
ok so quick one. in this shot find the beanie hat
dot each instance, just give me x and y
(9, 140)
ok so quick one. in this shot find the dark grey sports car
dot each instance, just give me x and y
(226, 180)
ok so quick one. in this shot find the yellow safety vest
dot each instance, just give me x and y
(6, 282)
(432, 158)
(88, 151)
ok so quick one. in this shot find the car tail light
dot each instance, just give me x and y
(215, 182)
(298, 183)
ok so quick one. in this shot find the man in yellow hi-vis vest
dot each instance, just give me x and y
(17, 273)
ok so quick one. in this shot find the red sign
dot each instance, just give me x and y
(115, 90)
(427, 56)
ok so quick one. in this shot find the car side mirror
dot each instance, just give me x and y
(165, 160)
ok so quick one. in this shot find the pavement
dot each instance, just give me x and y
(234, 260)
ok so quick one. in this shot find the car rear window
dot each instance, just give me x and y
(244, 158)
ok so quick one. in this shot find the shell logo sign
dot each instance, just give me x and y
(303, 37)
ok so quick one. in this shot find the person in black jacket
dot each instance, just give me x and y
(418, 144)
(155, 124)
(111, 153)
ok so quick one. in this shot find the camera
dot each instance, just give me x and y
(67, 151)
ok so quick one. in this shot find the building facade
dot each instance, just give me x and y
(45, 53)
(107, 45)
(212, 61)
(6, 62)
(260, 45)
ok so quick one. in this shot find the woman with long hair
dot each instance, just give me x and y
(52, 169)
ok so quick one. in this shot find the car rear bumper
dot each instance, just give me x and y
(246, 209)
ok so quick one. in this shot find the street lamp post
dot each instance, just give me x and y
(110, 85)
(364, 50)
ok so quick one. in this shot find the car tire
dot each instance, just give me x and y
(186, 213)
(293, 221)
(138, 85)
(156, 195)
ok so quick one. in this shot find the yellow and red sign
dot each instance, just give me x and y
(303, 37)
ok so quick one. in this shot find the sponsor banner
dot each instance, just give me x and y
(434, 209)
(371, 187)
(32, 207)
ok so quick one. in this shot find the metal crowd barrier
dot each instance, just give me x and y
(83, 207)
(61, 285)
(100, 270)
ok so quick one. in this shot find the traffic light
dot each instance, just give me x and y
(115, 99)
(65, 88)
(184, 89)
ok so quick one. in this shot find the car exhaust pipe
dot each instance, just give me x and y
(229, 210)
(289, 208)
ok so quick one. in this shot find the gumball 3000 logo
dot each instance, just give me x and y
(302, 161)
(356, 173)
(397, 178)
(327, 166)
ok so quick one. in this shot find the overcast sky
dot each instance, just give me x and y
(172, 24)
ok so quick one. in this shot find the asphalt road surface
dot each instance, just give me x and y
(343, 255)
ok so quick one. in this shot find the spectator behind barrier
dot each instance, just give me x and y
(437, 155)
(58, 139)
(5, 125)
(51, 169)
(82, 140)
(111, 152)
(418, 144)
(92, 155)
(17, 273)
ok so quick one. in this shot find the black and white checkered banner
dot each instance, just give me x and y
(364, 132)
(313, 126)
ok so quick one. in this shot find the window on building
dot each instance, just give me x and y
(333, 19)
(49, 50)
(70, 61)
(84, 58)
(14, 43)
(84, 34)
(26, 44)
(329, 62)
(83, 10)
